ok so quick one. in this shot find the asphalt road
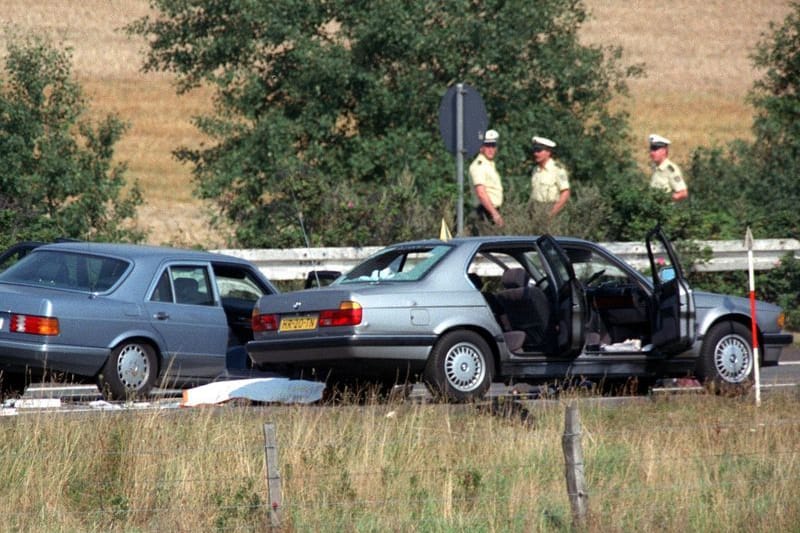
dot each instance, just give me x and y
(787, 371)
(786, 374)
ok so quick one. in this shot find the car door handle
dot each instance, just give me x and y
(161, 315)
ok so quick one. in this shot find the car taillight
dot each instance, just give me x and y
(348, 314)
(781, 321)
(264, 322)
(34, 325)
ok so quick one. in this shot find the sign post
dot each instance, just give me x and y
(462, 124)
(748, 241)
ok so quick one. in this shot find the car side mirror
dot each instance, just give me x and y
(666, 274)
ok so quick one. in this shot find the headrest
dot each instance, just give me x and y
(515, 278)
(184, 285)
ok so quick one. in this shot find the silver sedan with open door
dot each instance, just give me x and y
(462, 313)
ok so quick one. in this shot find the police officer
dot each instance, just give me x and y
(549, 180)
(486, 185)
(667, 175)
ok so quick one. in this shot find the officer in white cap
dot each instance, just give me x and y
(667, 176)
(549, 180)
(486, 185)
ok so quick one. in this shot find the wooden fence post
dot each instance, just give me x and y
(573, 462)
(273, 475)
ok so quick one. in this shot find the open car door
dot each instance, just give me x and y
(569, 297)
(674, 312)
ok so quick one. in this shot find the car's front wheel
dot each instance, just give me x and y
(130, 371)
(726, 357)
(460, 367)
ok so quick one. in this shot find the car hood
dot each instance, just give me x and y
(707, 300)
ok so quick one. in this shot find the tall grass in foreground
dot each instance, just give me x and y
(698, 463)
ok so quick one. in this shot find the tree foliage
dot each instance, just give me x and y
(330, 108)
(756, 183)
(57, 175)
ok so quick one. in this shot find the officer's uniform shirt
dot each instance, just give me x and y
(668, 177)
(482, 172)
(548, 182)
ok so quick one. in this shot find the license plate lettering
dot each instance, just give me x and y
(298, 323)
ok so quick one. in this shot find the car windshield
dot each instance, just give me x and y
(66, 270)
(397, 264)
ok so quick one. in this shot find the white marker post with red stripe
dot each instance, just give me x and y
(748, 242)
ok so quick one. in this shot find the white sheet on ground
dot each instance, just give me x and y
(273, 390)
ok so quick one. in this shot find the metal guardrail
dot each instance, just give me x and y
(296, 263)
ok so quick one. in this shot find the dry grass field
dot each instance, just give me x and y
(674, 464)
(696, 55)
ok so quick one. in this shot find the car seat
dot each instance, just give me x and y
(187, 291)
(525, 305)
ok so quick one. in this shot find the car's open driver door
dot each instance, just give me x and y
(674, 311)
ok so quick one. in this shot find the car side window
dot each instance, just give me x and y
(191, 285)
(163, 290)
(665, 268)
(184, 284)
(237, 283)
(593, 270)
(490, 266)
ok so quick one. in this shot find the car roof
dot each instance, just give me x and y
(139, 251)
(491, 239)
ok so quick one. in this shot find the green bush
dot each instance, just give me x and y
(58, 177)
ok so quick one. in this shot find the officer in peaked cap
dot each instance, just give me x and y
(667, 176)
(549, 180)
(487, 187)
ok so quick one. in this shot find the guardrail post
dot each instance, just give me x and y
(573, 462)
(273, 475)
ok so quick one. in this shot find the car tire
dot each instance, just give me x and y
(726, 357)
(11, 385)
(460, 367)
(130, 372)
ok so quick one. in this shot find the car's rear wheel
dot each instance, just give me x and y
(11, 384)
(726, 357)
(130, 371)
(460, 367)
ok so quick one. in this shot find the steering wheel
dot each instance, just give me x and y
(594, 277)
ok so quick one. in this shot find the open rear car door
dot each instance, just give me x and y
(674, 311)
(568, 292)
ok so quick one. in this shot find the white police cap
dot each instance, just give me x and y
(490, 137)
(543, 142)
(657, 140)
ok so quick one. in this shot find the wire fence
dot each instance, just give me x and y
(277, 505)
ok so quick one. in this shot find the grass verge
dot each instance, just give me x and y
(674, 464)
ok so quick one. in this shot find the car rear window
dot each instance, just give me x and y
(66, 270)
(397, 264)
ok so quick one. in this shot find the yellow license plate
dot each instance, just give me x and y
(298, 323)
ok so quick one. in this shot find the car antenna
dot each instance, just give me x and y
(305, 234)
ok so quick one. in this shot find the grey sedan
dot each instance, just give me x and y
(127, 316)
(465, 312)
